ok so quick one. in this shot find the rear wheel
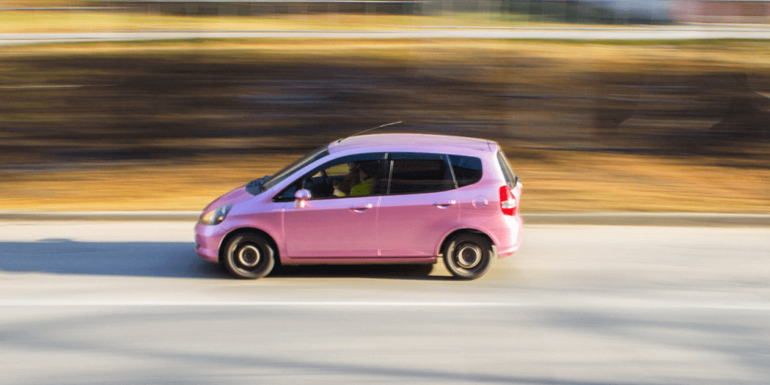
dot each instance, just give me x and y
(249, 256)
(468, 256)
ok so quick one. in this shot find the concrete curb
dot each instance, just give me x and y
(486, 34)
(595, 219)
(651, 219)
(117, 216)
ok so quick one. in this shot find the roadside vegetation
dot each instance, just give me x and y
(656, 126)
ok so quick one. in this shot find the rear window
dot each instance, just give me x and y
(419, 173)
(467, 169)
(510, 177)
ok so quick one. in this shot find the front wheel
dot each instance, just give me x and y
(468, 256)
(249, 256)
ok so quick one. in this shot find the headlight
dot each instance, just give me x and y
(215, 217)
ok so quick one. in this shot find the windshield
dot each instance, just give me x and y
(298, 164)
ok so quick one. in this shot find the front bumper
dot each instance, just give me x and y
(207, 241)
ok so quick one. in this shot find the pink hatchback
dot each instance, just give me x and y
(387, 198)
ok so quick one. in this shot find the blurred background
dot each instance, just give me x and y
(672, 125)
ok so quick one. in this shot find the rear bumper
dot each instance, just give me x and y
(507, 252)
(511, 244)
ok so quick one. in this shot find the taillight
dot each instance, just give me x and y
(507, 201)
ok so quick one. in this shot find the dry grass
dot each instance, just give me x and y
(43, 3)
(146, 187)
(570, 56)
(103, 21)
(553, 182)
(579, 182)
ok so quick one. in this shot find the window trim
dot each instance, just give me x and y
(452, 170)
(390, 176)
(388, 157)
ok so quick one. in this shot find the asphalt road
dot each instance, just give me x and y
(639, 33)
(130, 303)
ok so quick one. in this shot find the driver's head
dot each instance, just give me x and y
(370, 169)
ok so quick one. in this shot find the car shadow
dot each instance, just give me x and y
(387, 271)
(166, 260)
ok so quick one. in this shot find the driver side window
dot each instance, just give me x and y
(348, 176)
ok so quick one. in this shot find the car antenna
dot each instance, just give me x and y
(374, 128)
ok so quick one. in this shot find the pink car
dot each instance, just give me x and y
(386, 198)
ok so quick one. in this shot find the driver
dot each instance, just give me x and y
(343, 188)
(368, 176)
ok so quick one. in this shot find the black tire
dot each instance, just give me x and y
(249, 256)
(468, 256)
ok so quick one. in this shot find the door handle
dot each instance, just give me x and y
(443, 205)
(360, 209)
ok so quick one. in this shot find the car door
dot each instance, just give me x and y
(419, 207)
(327, 225)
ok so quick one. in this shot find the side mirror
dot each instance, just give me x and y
(301, 197)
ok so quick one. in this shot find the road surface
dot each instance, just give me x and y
(130, 303)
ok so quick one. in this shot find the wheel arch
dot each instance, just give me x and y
(454, 233)
(242, 230)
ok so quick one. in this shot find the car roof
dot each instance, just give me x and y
(412, 143)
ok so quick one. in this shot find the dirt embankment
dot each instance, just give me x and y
(649, 127)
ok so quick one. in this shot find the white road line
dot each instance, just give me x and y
(43, 303)
(373, 304)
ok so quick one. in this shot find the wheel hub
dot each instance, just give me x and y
(468, 256)
(249, 256)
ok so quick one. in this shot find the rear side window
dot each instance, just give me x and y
(467, 169)
(414, 173)
(510, 177)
